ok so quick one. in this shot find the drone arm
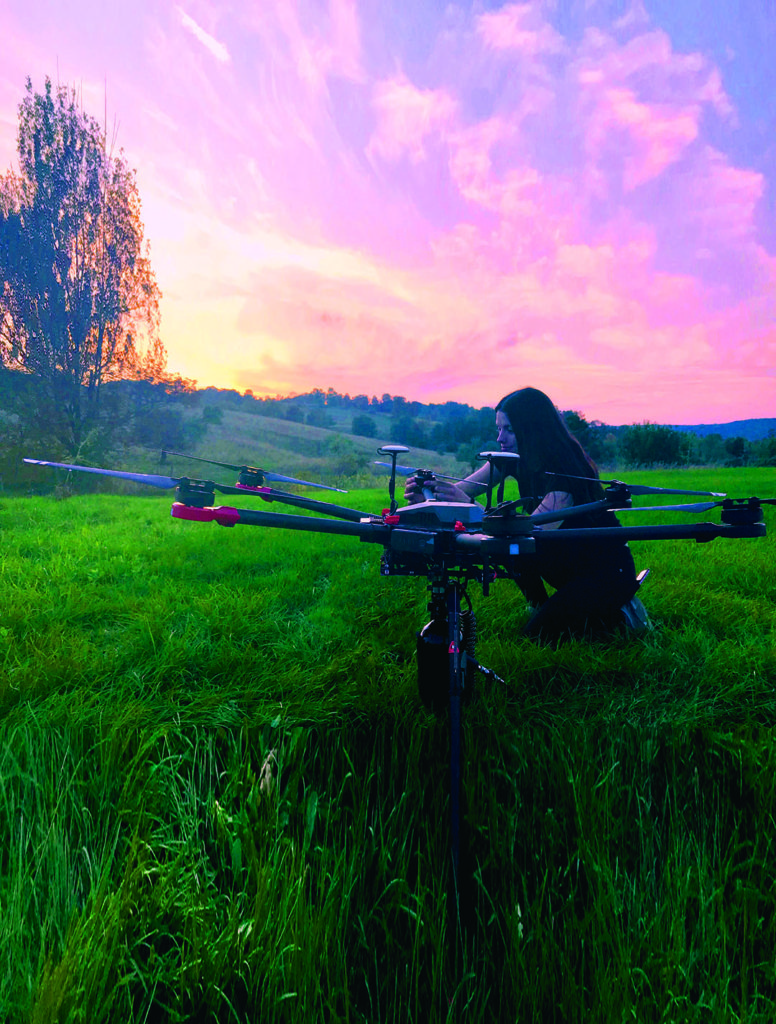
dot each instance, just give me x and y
(375, 532)
(560, 514)
(325, 507)
(504, 549)
(679, 531)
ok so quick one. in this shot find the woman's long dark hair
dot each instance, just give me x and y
(544, 443)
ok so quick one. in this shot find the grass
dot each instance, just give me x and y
(220, 798)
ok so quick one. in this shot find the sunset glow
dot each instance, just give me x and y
(444, 201)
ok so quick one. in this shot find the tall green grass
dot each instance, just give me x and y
(220, 798)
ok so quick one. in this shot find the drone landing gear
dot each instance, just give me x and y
(446, 673)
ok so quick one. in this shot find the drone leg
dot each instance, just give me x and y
(456, 693)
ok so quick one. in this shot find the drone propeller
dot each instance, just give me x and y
(151, 479)
(637, 488)
(408, 470)
(258, 472)
(734, 510)
(704, 506)
(698, 506)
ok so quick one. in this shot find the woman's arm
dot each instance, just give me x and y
(552, 502)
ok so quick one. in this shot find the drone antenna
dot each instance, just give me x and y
(393, 451)
(493, 458)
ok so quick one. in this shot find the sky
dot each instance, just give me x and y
(445, 201)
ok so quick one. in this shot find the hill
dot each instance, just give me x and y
(298, 449)
(752, 430)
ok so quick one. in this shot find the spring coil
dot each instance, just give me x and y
(468, 631)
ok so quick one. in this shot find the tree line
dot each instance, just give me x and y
(458, 428)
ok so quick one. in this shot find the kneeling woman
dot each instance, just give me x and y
(592, 579)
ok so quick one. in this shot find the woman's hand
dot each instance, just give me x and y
(412, 492)
(441, 490)
(446, 490)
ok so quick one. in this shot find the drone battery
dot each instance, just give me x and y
(433, 666)
(435, 515)
(434, 661)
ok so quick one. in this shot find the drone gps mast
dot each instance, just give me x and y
(503, 462)
(393, 451)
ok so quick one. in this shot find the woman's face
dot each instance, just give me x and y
(506, 436)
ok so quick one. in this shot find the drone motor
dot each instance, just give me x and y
(195, 493)
(425, 477)
(741, 512)
(250, 477)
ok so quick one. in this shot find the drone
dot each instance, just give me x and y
(453, 545)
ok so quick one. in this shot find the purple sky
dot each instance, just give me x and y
(444, 201)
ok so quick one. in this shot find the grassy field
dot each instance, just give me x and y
(220, 798)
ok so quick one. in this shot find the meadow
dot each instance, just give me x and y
(221, 799)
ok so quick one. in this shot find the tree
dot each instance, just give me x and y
(591, 436)
(712, 449)
(406, 430)
(294, 413)
(79, 304)
(317, 417)
(364, 426)
(645, 444)
(736, 448)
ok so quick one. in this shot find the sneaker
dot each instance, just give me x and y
(635, 616)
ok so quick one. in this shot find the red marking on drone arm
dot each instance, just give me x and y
(222, 514)
(265, 492)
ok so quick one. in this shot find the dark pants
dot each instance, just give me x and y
(587, 606)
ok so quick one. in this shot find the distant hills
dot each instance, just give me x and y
(752, 430)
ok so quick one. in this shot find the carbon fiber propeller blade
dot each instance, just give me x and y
(407, 470)
(698, 506)
(264, 472)
(638, 488)
(142, 478)
(701, 506)
(306, 483)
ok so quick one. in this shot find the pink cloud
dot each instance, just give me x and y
(520, 28)
(471, 168)
(655, 136)
(726, 198)
(211, 44)
(406, 117)
(642, 105)
(309, 47)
